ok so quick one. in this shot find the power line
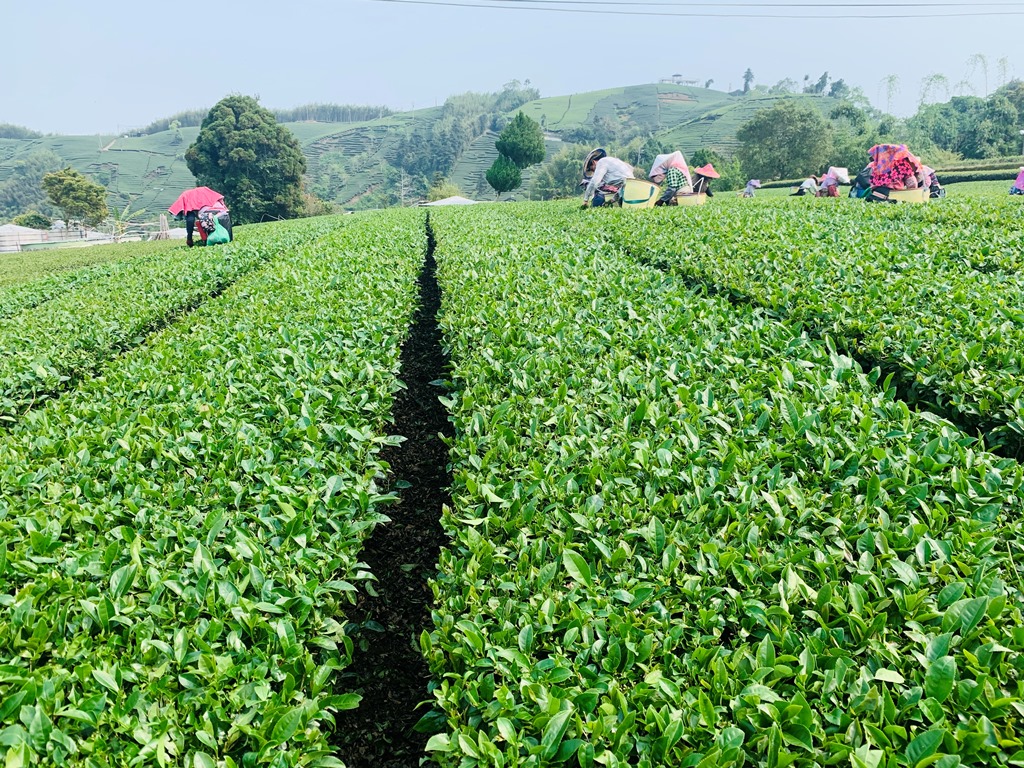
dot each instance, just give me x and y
(705, 15)
(756, 5)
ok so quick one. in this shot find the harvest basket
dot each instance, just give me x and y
(637, 193)
(691, 199)
(909, 195)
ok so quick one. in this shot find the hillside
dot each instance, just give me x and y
(365, 164)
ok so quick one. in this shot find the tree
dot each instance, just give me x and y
(748, 78)
(892, 87)
(950, 126)
(255, 163)
(784, 142)
(441, 189)
(853, 133)
(818, 87)
(1004, 70)
(839, 89)
(786, 85)
(708, 83)
(522, 141)
(975, 62)
(23, 190)
(504, 175)
(729, 170)
(932, 83)
(514, 94)
(33, 219)
(77, 198)
(560, 176)
(314, 206)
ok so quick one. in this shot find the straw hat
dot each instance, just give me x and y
(707, 170)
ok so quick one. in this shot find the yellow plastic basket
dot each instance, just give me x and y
(691, 199)
(909, 195)
(637, 193)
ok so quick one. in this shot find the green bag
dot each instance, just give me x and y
(219, 235)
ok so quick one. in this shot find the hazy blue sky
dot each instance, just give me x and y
(104, 66)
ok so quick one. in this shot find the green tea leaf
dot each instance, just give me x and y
(938, 681)
(889, 676)
(286, 725)
(576, 567)
(554, 732)
(923, 746)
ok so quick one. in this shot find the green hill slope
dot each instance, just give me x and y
(364, 164)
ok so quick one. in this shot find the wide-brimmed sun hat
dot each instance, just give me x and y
(707, 170)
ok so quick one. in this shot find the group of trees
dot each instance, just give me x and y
(9, 131)
(23, 189)
(431, 150)
(241, 151)
(973, 126)
(41, 186)
(823, 86)
(792, 139)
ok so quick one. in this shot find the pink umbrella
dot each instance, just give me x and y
(194, 199)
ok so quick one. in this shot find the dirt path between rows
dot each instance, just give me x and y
(390, 672)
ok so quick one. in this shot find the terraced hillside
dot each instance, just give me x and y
(349, 162)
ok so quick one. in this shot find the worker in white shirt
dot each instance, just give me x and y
(604, 177)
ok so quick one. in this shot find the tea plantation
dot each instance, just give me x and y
(731, 485)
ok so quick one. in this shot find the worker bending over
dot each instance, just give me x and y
(604, 177)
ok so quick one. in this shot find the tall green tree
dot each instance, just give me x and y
(255, 163)
(784, 142)
(76, 197)
(819, 86)
(522, 141)
(748, 79)
(504, 175)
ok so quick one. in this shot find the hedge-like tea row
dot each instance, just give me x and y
(995, 174)
(934, 295)
(31, 265)
(20, 295)
(685, 534)
(70, 335)
(182, 534)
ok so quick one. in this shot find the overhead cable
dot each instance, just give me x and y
(708, 15)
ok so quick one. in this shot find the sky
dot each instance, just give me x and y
(108, 66)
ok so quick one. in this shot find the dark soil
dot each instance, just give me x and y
(389, 670)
